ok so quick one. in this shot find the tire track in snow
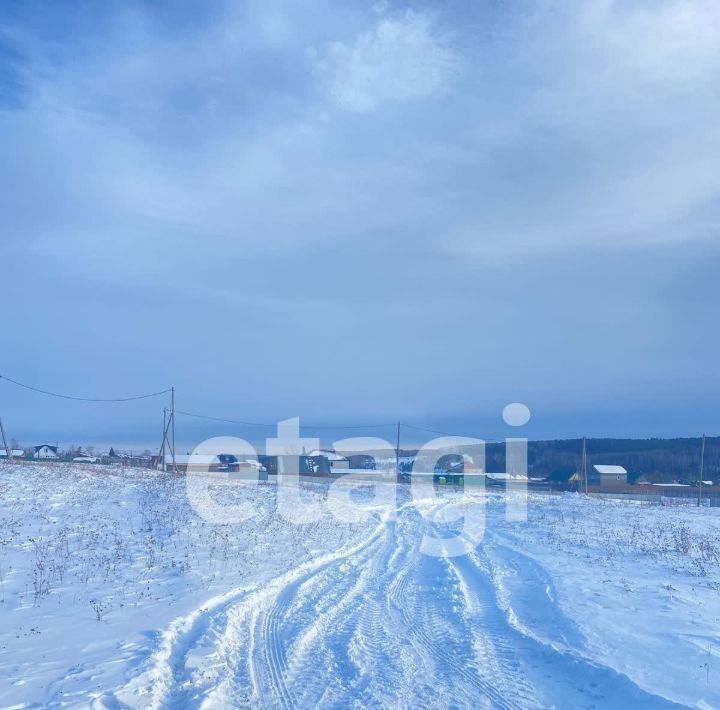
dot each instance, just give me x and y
(535, 671)
(377, 624)
(166, 682)
(321, 589)
(441, 630)
(443, 617)
(492, 650)
(166, 671)
(305, 626)
(555, 670)
(268, 619)
(361, 644)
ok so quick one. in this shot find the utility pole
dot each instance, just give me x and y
(584, 465)
(168, 438)
(397, 453)
(162, 446)
(173, 430)
(702, 467)
(8, 451)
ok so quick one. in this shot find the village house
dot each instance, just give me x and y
(45, 451)
(608, 475)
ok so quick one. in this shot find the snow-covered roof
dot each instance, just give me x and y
(46, 446)
(329, 455)
(15, 452)
(506, 477)
(207, 460)
(197, 459)
(250, 462)
(604, 468)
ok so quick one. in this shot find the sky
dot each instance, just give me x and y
(360, 213)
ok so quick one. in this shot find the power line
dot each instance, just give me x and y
(447, 433)
(426, 429)
(240, 422)
(222, 419)
(273, 426)
(327, 426)
(84, 399)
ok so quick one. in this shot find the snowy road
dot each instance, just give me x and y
(378, 624)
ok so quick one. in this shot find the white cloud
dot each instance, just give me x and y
(194, 178)
(660, 41)
(399, 59)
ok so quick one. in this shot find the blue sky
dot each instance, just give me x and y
(358, 212)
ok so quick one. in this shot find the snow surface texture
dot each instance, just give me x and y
(114, 593)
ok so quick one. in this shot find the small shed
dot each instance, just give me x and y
(45, 451)
(606, 475)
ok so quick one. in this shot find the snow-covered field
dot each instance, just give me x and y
(114, 593)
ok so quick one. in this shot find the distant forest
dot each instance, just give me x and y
(658, 460)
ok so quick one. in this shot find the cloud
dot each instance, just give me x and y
(459, 215)
(399, 59)
(654, 41)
